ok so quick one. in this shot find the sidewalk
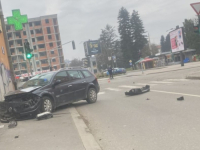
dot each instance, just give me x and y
(57, 133)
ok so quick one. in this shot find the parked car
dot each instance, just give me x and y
(47, 91)
(115, 71)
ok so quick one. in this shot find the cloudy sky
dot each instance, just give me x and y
(80, 20)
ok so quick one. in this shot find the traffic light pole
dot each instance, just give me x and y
(7, 47)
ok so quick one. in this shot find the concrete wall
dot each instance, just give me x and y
(6, 83)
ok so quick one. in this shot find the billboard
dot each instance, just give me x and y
(176, 38)
(92, 47)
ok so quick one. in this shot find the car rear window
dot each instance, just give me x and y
(86, 73)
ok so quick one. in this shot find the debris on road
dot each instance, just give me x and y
(136, 91)
(147, 99)
(16, 136)
(180, 98)
(45, 115)
(12, 124)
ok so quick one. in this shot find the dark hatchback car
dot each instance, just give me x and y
(47, 91)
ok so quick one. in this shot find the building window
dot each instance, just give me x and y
(31, 31)
(38, 69)
(53, 60)
(47, 20)
(30, 24)
(34, 47)
(51, 44)
(49, 37)
(33, 39)
(55, 67)
(24, 32)
(48, 30)
(52, 52)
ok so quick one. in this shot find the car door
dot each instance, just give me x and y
(64, 91)
(79, 83)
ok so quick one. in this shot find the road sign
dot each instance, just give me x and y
(196, 7)
(130, 61)
(17, 19)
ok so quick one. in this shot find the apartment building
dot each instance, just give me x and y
(44, 37)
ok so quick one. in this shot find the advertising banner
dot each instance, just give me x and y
(176, 38)
(92, 48)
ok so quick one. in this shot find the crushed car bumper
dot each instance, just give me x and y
(20, 107)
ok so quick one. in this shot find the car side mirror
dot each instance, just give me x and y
(56, 82)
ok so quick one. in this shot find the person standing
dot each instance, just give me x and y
(110, 72)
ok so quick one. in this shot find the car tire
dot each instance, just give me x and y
(91, 95)
(47, 104)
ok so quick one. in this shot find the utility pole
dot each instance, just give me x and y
(7, 47)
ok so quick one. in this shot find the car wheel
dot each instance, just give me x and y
(91, 95)
(47, 104)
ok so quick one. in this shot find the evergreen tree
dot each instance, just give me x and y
(168, 44)
(125, 34)
(162, 44)
(107, 39)
(137, 31)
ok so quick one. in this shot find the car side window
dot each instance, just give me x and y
(74, 75)
(86, 73)
(61, 76)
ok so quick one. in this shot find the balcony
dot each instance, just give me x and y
(40, 42)
(14, 61)
(38, 66)
(23, 68)
(19, 45)
(41, 49)
(16, 68)
(45, 65)
(21, 60)
(43, 57)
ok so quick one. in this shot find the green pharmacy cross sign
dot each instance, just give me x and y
(17, 19)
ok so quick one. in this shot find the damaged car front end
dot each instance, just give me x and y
(20, 103)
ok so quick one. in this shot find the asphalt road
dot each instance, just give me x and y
(119, 122)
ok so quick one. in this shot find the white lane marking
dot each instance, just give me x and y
(126, 86)
(176, 93)
(100, 93)
(161, 82)
(176, 80)
(143, 84)
(87, 138)
(113, 89)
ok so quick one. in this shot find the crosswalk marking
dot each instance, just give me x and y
(126, 86)
(161, 82)
(176, 80)
(143, 84)
(113, 89)
(100, 93)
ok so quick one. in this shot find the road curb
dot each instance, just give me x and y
(87, 138)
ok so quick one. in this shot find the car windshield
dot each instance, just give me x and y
(39, 80)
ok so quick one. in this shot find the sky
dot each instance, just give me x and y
(81, 20)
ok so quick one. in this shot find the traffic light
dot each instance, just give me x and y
(29, 55)
(73, 45)
(28, 51)
(86, 62)
(196, 29)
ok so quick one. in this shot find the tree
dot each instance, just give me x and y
(137, 32)
(192, 39)
(147, 52)
(76, 63)
(168, 44)
(124, 29)
(107, 40)
(162, 44)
